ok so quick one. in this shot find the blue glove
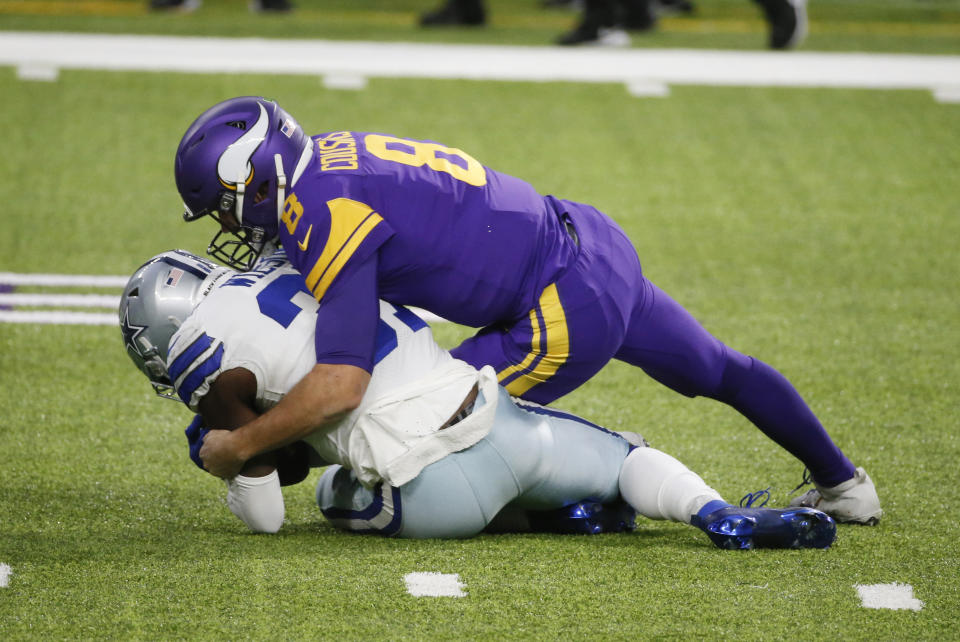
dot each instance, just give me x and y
(195, 433)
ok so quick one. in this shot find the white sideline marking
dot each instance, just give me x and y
(38, 71)
(5, 573)
(478, 62)
(58, 318)
(648, 89)
(888, 596)
(434, 585)
(348, 82)
(81, 300)
(62, 300)
(81, 280)
(947, 94)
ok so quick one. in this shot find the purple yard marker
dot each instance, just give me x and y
(4, 289)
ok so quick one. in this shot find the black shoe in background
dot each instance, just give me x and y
(271, 6)
(174, 5)
(456, 12)
(787, 20)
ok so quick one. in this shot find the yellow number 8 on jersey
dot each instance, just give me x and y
(432, 155)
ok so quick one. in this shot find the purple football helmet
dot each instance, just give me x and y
(239, 157)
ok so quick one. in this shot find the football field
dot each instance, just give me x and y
(817, 229)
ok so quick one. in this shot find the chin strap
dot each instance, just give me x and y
(241, 188)
(281, 186)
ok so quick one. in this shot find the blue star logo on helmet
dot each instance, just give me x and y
(130, 332)
(234, 165)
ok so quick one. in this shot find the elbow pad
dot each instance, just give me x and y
(257, 501)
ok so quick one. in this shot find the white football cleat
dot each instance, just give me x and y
(853, 501)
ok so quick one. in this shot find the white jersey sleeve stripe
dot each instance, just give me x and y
(183, 360)
(204, 372)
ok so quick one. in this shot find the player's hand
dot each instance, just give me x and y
(218, 455)
(196, 432)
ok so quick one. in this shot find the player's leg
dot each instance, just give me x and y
(533, 458)
(578, 323)
(672, 347)
(350, 506)
(579, 459)
(572, 460)
(531, 454)
(660, 487)
(454, 497)
(565, 340)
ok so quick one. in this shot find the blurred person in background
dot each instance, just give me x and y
(607, 22)
(186, 6)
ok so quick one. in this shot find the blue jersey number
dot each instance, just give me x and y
(276, 300)
(387, 336)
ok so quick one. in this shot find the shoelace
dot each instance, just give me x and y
(748, 500)
(807, 480)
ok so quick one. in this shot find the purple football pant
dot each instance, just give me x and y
(602, 307)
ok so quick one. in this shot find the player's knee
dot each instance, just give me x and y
(736, 372)
(350, 506)
(699, 373)
(325, 493)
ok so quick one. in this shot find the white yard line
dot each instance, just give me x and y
(58, 318)
(56, 300)
(40, 55)
(5, 573)
(434, 585)
(61, 300)
(63, 280)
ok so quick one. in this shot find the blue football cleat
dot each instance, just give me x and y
(736, 527)
(585, 518)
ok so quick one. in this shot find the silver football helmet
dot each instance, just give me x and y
(157, 299)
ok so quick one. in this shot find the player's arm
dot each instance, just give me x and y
(324, 396)
(254, 494)
(345, 338)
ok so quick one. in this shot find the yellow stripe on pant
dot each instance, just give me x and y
(538, 366)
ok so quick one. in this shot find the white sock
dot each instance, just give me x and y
(660, 487)
(257, 501)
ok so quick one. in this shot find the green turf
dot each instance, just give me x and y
(816, 229)
(927, 26)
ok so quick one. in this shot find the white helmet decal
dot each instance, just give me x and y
(234, 165)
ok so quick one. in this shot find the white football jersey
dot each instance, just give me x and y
(264, 321)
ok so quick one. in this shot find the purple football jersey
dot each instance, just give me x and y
(451, 236)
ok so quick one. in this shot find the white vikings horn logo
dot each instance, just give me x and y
(234, 163)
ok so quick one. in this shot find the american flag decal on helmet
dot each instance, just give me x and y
(288, 128)
(174, 277)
